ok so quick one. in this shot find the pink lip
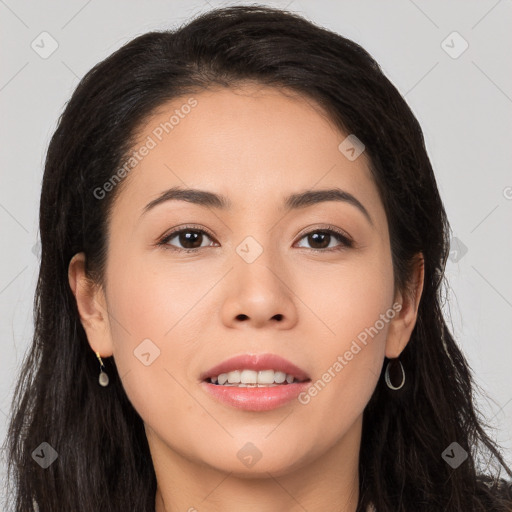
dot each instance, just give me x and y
(256, 399)
(256, 362)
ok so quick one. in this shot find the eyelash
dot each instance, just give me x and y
(346, 242)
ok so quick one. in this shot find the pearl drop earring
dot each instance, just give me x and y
(103, 378)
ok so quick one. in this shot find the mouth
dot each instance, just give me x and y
(252, 378)
(255, 382)
(255, 370)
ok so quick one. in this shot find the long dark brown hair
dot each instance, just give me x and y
(103, 458)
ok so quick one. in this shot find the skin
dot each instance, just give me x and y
(254, 145)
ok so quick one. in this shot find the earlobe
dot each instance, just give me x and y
(91, 306)
(403, 323)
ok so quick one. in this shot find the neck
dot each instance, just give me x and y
(329, 481)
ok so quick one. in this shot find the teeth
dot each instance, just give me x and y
(252, 378)
(279, 377)
(251, 385)
(265, 377)
(248, 377)
(234, 377)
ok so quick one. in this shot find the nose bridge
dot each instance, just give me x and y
(258, 288)
(258, 261)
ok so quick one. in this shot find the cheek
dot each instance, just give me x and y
(164, 306)
(348, 297)
(154, 297)
(152, 336)
(355, 306)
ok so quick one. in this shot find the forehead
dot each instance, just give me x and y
(253, 144)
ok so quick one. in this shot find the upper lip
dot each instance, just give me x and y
(256, 362)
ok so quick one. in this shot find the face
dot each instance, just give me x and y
(259, 278)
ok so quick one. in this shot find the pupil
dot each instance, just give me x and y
(188, 236)
(315, 238)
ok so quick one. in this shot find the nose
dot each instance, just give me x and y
(259, 294)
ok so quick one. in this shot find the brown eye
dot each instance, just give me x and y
(192, 239)
(189, 239)
(321, 240)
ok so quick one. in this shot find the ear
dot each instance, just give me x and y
(92, 306)
(403, 323)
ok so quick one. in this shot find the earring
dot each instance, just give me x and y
(103, 379)
(392, 367)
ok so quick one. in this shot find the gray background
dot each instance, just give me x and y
(464, 105)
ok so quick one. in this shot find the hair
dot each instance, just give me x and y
(104, 462)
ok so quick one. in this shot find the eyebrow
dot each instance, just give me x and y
(292, 202)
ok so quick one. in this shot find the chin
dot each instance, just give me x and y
(241, 466)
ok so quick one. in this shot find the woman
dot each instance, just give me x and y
(238, 306)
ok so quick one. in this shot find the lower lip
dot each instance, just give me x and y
(256, 399)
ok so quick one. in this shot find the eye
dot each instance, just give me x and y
(321, 239)
(190, 238)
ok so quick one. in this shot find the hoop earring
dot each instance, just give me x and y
(387, 377)
(103, 378)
